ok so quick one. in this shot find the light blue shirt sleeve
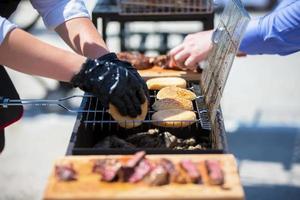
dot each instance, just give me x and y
(275, 33)
(5, 27)
(55, 12)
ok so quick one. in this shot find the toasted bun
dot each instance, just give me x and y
(175, 92)
(126, 121)
(176, 103)
(159, 83)
(174, 118)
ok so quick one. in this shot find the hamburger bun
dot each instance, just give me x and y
(175, 118)
(176, 103)
(159, 83)
(126, 121)
(175, 92)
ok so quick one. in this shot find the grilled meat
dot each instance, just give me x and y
(65, 172)
(171, 169)
(125, 173)
(138, 60)
(140, 171)
(107, 168)
(156, 173)
(215, 173)
(191, 170)
(132, 169)
(135, 159)
(158, 176)
(163, 61)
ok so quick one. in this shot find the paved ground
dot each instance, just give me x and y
(261, 110)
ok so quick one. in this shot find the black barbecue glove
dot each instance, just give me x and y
(113, 81)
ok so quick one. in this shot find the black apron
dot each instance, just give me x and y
(14, 113)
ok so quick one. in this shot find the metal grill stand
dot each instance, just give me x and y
(126, 11)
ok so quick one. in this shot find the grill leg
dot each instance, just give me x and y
(208, 23)
(104, 26)
(2, 140)
(122, 36)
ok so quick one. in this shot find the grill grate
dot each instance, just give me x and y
(96, 114)
(152, 7)
(226, 40)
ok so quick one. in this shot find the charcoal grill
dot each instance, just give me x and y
(96, 123)
(208, 129)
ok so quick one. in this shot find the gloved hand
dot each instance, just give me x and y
(113, 81)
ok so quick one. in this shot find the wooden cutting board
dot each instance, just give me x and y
(160, 72)
(89, 186)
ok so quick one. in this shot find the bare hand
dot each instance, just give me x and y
(194, 49)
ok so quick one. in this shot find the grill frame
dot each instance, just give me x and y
(84, 135)
(164, 7)
(109, 12)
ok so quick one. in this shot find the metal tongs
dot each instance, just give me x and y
(6, 102)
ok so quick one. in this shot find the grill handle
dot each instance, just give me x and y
(5, 102)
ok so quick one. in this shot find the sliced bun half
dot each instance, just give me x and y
(176, 103)
(159, 83)
(175, 118)
(126, 121)
(175, 92)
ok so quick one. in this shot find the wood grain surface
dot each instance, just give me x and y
(89, 186)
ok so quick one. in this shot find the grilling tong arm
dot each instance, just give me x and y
(5, 102)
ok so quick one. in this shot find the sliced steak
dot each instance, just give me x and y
(158, 176)
(125, 173)
(65, 172)
(168, 165)
(129, 168)
(137, 157)
(107, 168)
(191, 170)
(215, 172)
(140, 171)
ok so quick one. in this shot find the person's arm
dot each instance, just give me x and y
(70, 19)
(22, 52)
(81, 35)
(275, 33)
(112, 80)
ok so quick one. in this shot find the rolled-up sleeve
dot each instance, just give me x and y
(55, 12)
(5, 27)
(275, 33)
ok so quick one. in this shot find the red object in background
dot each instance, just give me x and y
(10, 114)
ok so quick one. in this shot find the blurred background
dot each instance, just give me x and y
(261, 107)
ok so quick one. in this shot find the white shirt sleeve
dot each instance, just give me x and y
(5, 27)
(55, 12)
